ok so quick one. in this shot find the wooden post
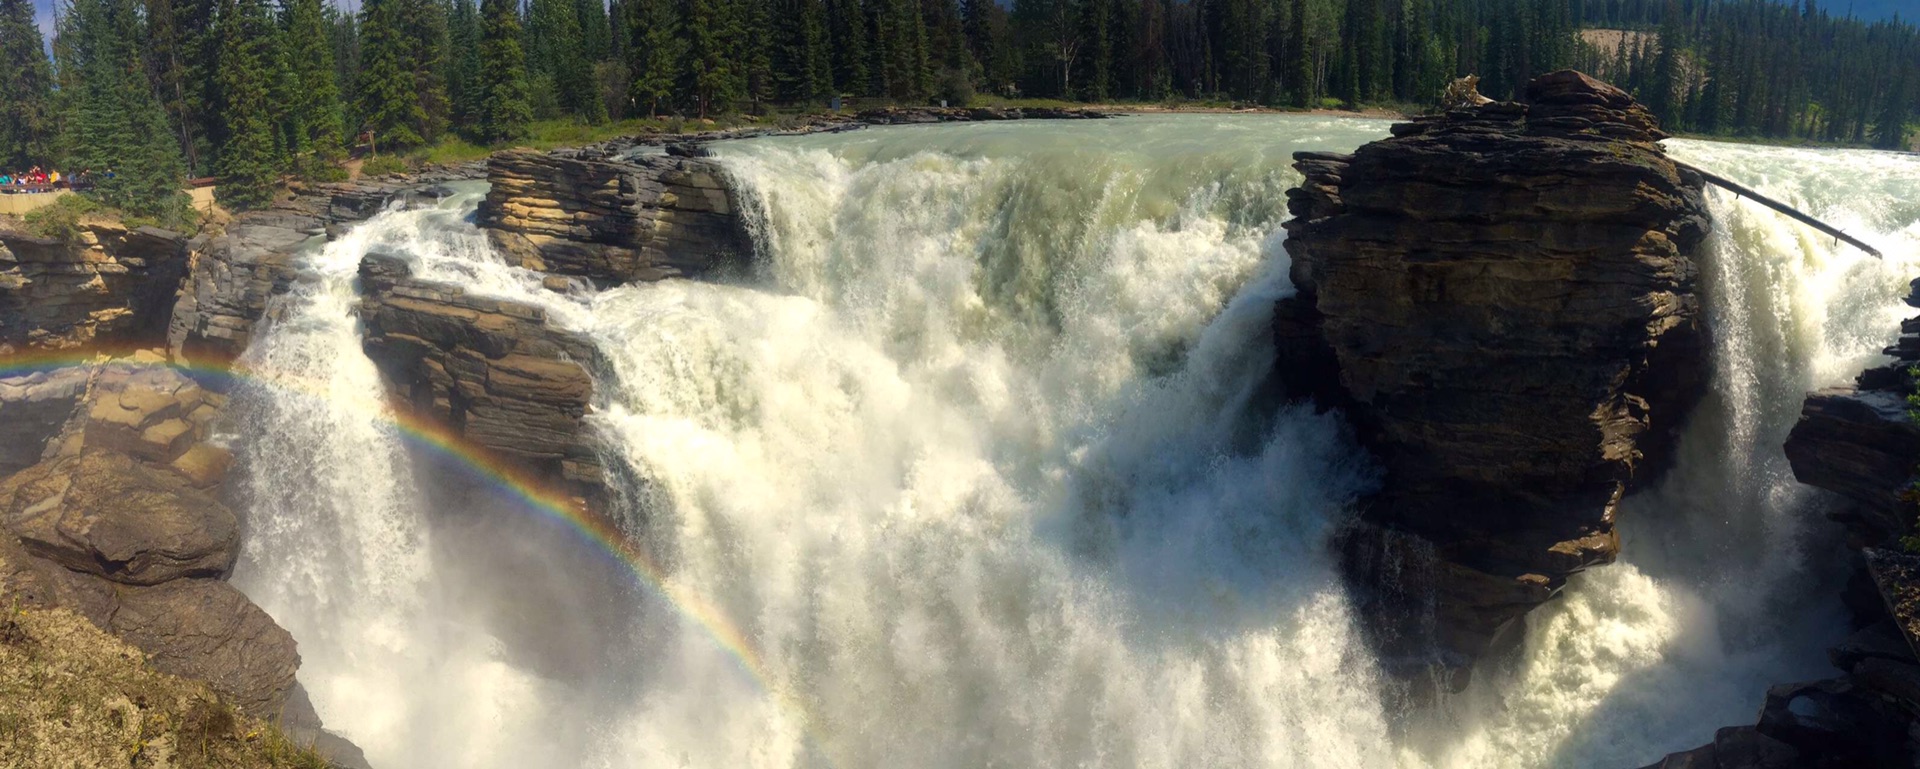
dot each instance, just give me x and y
(1743, 191)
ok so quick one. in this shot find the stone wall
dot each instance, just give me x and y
(613, 219)
(1502, 300)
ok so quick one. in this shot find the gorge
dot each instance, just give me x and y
(968, 453)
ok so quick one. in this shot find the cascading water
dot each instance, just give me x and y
(976, 465)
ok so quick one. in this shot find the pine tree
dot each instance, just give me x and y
(26, 95)
(847, 28)
(1890, 130)
(755, 46)
(802, 64)
(504, 112)
(389, 106)
(464, 94)
(712, 69)
(659, 53)
(314, 109)
(555, 54)
(117, 127)
(250, 160)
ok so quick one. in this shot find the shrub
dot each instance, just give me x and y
(61, 221)
(381, 165)
(955, 88)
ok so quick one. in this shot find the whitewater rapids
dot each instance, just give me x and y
(976, 460)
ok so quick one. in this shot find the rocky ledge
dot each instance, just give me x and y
(612, 217)
(237, 270)
(109, 285)
(493, 372)
(1502, 300)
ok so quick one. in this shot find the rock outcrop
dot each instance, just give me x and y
(110, 285)
(612, 218)
(119, 522)
(74, 696)
(237, 271)
(493, 372)
(234, 275)
(1502, 300)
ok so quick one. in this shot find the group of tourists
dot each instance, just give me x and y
(38, 180)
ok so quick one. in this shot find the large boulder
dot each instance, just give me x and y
(105, 514)
(612, 218)
(1502, 299)
(109, 284)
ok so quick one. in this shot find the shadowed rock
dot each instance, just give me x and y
(105, 514)
(110, 285)
(1502, 299)
(491, 371)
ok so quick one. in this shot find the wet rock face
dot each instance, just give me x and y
(110, 285)
(1503, 298)
(595, 215)
(492, 371)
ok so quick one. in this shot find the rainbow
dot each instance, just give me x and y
(561, 509)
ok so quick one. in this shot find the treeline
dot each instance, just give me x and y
(1758, 69)
(251, 90)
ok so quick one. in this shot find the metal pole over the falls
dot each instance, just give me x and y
(1745, 191)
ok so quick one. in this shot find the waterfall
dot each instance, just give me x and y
(977, 464)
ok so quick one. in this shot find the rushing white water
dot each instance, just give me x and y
(975, 463)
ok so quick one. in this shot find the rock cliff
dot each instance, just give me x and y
(1501, 298)
(611, 217)
(494, 372)
(110, 285)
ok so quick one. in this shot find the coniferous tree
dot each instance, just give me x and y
(555, 55)
(389, 100)
(464, 95)
(713, 74)
(314, 108)
(755, 46)
(250, 160)
(659, 53)
(117, 127)
(847, 27)
(26, 92)
(802, 63)
(503, 113)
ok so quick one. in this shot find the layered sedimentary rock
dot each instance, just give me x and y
(119, 521)
(234, 274)
(612, 218)
(237, 271)
(1502, 300)
(108, 285)
(493, 372)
